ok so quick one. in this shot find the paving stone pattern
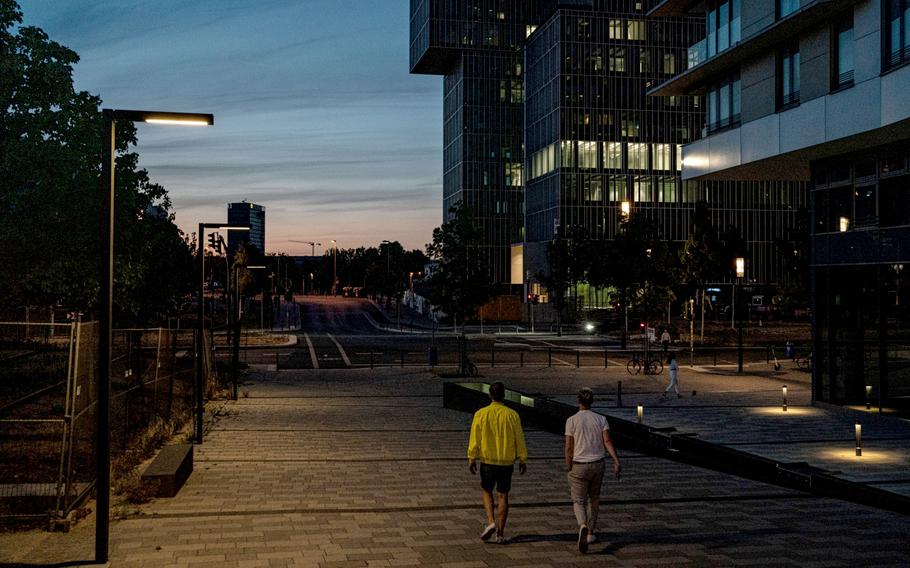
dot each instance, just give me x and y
(359, 468)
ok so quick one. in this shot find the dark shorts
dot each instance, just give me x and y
(498, 476)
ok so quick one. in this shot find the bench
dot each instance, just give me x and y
(170, 469)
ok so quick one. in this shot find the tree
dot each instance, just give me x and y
(50, 166)
(459, 285)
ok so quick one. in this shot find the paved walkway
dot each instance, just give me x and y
(365, 468)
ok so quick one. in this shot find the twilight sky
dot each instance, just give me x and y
(316, 117)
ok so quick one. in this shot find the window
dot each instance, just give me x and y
(788, 77)
(864, 203)
(644, 60)
(897, 43)
(843, 54)
(666, 190)
(723, 24)
(670, 63)
(618, 59)
(616, 29)
(642, 189)
(638, 156)
(723, 104)
(616, 191)
(513, 173)
(587, 155)
(593, 188)
(679, 157)
(566, 154)
(786, 7)
(636, 30)
(613, 155)
(629, 125)
(662, 157)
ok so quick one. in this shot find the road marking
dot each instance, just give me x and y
(312, 351)
(340, 350)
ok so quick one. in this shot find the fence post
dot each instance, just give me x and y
(619, 394)
(549, 356)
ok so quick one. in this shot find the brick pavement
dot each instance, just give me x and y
(361, 468)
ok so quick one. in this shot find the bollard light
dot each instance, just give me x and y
(783, 392)
(641, 413)
(868, 397)
(859, 439)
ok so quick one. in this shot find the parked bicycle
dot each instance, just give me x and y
(805, 363)
(649, 366)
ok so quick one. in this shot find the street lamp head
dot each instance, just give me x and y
(156, 117)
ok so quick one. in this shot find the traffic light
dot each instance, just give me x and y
(215, 242)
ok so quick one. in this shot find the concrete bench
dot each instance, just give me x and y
(170, 469)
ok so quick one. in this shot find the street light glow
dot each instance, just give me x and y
(740, 267)
(176, 121)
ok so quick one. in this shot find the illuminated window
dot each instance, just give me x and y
(613, 155)
(669, 63)
(616, 190)
(666, 190)
(636, 30)
(662, 157)
(618, 59)
(567, 154)
(616, 29)
(679, 157)
(641, 189)
(513, 173)
(587, 155)
(638, 156)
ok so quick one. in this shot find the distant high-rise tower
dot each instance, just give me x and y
(244, 213)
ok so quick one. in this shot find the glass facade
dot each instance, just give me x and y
(244, 213)
(586, 107)
(861, 249)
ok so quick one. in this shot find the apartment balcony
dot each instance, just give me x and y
(705, 70)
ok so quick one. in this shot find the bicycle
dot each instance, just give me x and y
(638, 365)
(805, 363)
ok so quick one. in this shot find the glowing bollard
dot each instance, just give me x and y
(641, 413)
(859, 439)
(783, 392)
(868, 397)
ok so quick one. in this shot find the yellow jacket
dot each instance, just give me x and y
(496, 436)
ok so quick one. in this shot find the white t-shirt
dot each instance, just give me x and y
(587, 429)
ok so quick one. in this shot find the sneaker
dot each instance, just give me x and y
(591, 538)
(488, 532)
(583, 539)
(501, 540)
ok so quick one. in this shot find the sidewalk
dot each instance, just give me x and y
(365, 468)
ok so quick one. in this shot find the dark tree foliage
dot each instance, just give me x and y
(383, 270)
(460, 284)
(50, 160)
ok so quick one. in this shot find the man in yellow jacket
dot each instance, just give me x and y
(497, 440)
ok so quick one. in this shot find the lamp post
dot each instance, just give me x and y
(334, 265)
(198, 387)
(236, 351)
(740, 274)
(103, 412)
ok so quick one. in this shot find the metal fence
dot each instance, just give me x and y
(48, 400)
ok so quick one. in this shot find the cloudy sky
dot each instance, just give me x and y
(316, 116)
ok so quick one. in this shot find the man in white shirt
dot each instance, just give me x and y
(587, 443)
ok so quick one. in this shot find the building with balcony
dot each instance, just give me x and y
(249, 214)
(548, 126)
(820, 91)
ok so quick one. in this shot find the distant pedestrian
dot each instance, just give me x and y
(673, 370)
(497, 440)
(587, 443)
(665, 340)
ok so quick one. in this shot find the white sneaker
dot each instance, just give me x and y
(591, 538)
(488, 532)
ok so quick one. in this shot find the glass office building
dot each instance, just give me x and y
(547, 125)
(250, 214)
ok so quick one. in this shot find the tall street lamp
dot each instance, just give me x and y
(108, 170)
(334, 265)
(198, 387)
(236, 350)
(740, 274)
